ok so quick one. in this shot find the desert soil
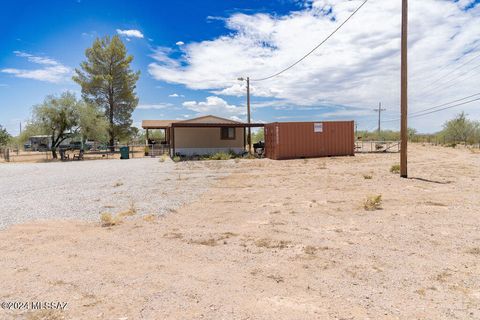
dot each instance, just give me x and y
(271, 240)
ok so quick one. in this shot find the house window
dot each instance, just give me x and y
(227, 133)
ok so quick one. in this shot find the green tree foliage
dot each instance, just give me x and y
(460, 129)
(258, 136)
(91, 123)
(58, 117)
(31, 129)
(5, 137)
(108, 81)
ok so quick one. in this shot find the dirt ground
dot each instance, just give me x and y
(272, 240)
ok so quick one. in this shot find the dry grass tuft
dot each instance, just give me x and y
(367, 176)
(108, 220)
(150, 218)
(311, 250)
(272, 244)
(395, 168)
(205, 242)
(128, 213)
(373, 203)
(475, 251)
(117, 184)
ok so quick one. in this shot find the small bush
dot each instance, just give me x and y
(373, 203)
(220, 156)
(176, 159)
(108, 220)
(130, 212)
(395, 168)
(367, 176)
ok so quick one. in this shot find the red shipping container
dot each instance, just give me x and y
(290, 140)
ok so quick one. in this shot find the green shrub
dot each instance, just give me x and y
(176, 159)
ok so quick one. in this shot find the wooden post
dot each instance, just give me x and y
(173, 141)
(249, 137)
(404, 95)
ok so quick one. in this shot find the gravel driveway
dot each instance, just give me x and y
(84, 189)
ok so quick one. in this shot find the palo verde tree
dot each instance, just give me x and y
(57, 116)
(108, 82)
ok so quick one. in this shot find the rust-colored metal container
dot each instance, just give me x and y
(290, 140)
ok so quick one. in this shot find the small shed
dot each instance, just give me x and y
(289, 140)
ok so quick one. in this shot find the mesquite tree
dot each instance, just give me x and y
(58, 117)
(108, 81)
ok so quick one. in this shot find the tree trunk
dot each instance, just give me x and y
(111, 131)
(54, 153)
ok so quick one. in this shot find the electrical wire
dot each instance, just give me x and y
(423, 113)
(315, 48)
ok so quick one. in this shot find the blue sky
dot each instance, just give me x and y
(190, 53)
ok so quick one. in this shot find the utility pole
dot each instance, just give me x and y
(379, 117)
(403, 89)
(20, 127)
(249, 133)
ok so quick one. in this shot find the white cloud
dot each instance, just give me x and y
(180, 43)
(52, 70)
(157, 106)
(215, 106)
(132, 33)
(176, 95)
(358, 67)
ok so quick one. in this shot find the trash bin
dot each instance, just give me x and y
(124, 152)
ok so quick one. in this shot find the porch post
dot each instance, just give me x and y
(146, 141)
(173, 141)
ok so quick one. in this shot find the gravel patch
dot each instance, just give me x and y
(84, 189)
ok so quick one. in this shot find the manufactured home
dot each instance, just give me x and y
(199, 136)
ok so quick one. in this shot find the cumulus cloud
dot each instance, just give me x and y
(132, 33)
(176, 95)
(358, 67)
(157, 106)
(180, 43)
(214, 105)
(52, 70)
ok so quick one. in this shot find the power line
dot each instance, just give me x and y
(459, 67)
(438, 110)
(315, 48)
(423, 113)
(445, 104)
(433, 89)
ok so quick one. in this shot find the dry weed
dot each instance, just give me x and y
(117, 184)
(108, 220)
(474, 251)
(373, 203)
(311, 250)
(367, 176)
(205, 242)
(272, 244)
(395, 168)
(150, 218)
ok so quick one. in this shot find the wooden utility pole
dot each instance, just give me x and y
(404, 94)
(249, 136)
(379, 117)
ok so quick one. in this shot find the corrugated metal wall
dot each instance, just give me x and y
(289, 140)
